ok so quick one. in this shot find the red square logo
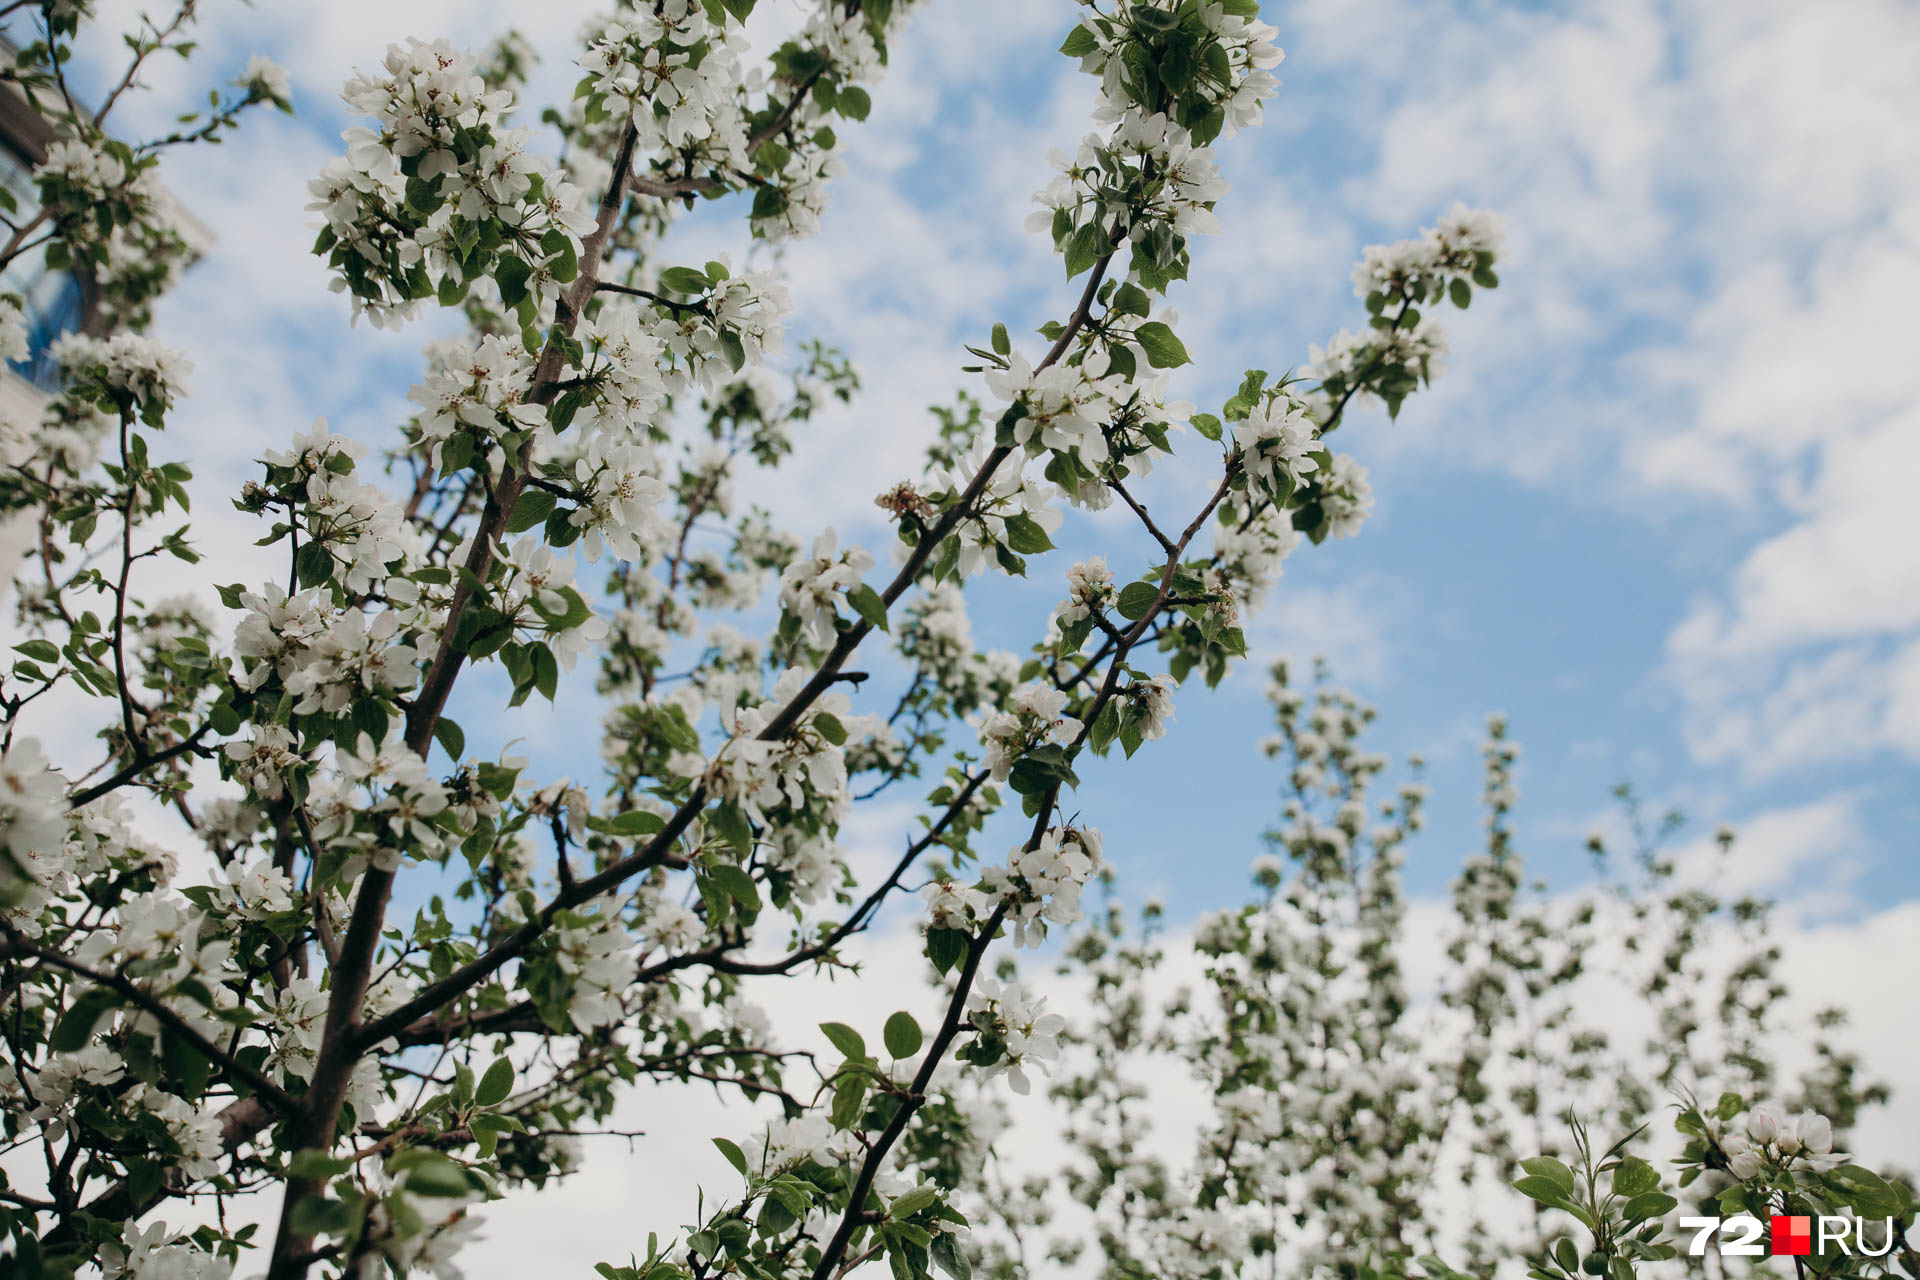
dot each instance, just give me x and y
(1792, 1236)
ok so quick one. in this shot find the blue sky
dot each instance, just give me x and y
(1656, 509)
(1630, 515)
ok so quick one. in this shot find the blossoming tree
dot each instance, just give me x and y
(1352, 1129)
(279, 1024)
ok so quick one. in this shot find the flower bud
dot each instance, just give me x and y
(1814, 1132)
(1734, 1144)
(1745, 1166)
(1764, 1124)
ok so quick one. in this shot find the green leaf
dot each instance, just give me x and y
(1025, 535)
(684, 280)
(1461, 293)
(531, 508)
(902, 1035)
(317, 1165)
(831, 729)
(848, 1041)
(1079, 43)
(39, 650)
(1164, 350)
(867, 603)
(731, 1150)
(495, 1085)
(1002, 344)
(849, 1100)
(912, 1202)
(634, 822)
(450, 737)
(731, 824)
(319, 1216)
(1865, 1190)
(565, 261)
(950, 1257)
(736, 352)
(511, 275)
(1552, 1170)
(1634, 1177)
(1537, 1187)
(1208, 425)
(186, 1064)
(314, 564)
(1106, 727)
(945, 947)
(75, 1027)
(436, 1175)
(738, 884)
(1085, 247)
(855, 103)
(1136, 598)
(1651, 1204)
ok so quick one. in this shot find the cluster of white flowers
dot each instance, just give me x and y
(13, 332)
(88, 172)
(33, 808)
(299, 1015)
(804, 771)
(407, 799)
(671, 927)
(1247, 43)
(675, 75)
(740, 325)
(800, 1138)
(1033, 718)
(326, 667)
(1042, 884)
(535, 576)
(1346, 496)
(937, 635)
(810, 586)
(623, 494)
(952, 905)
(477, 385)
(159, 1253)
(1187, 183)
(812, 863)
(1010, 493)
(1251, 556)
(1152, 705)
(1449, 250)
(363, 529)
(1064, 405)
(1351, 358)
(267, 78)
(440, 152)
(1200, 1242)
(598, 957)
(152, 374)
(1089, 590)
(1772, 1140)
(1016, 1022)
(1277, 440)
(624, 358)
